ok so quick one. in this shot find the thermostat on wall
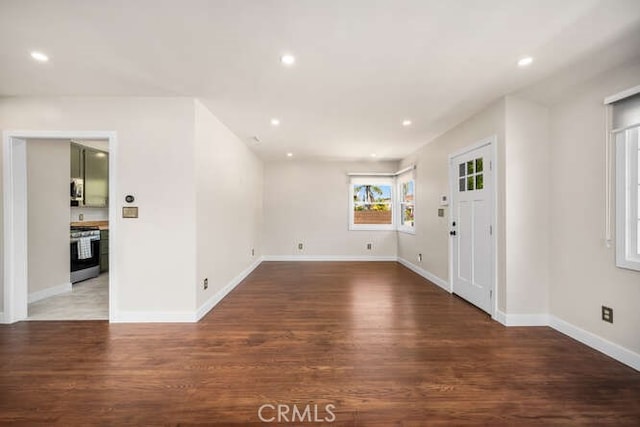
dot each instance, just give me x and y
(444, 200)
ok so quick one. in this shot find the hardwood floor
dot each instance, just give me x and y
(381, 344)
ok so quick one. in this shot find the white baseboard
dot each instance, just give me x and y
(535, 319)
(1, 316)
(589, 339)
(49, 292)
(500, 317)
(154, 317)
(426, 274)
(609, 348)
(328, 258)
(218, 296)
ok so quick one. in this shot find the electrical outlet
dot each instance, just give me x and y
(607, 314)
(369, 245)
(80, 217)
(419, 257)
(205, 283)
(300, 246)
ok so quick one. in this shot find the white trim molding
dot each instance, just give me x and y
(153, 317)
(613, 350)
(1, 317)
(50, 292)
(328, 258)
(219, 296)
(426, 274)
(533, 319)
(621, 95)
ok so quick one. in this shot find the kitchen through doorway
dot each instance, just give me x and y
(68, 201)
(57, 226)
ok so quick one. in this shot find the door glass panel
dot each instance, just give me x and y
(469, 167)
(479, 182)
(462, 184)
(461, 169)
(479, 165)
(470, 183)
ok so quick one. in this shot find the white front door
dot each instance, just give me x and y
(471, 225)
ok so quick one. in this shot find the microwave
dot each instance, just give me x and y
(77, 191)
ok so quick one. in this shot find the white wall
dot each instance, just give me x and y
(228, 204)
(308, 202)
(432, 180)
(89, 214)
(527, 206)
(154, 254)
(583, 274)
(48, 165)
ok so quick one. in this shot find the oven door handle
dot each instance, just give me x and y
(93, 239)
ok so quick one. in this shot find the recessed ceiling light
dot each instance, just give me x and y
(527, 60)
(288, 59)
(374, 155)
(406, 122)
(275, 122)
(289, 154)
(39, 56)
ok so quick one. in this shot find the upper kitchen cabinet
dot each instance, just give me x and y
(89, 176)
(76, 161)
(96, 178)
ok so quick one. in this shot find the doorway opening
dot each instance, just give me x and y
(50, 273)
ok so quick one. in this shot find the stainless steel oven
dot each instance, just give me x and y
(85, 253)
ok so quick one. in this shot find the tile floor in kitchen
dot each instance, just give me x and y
(89, 300)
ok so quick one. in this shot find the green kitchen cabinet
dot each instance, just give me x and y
(91, 167)
(96, 178)
(76, 161)
(104, 251)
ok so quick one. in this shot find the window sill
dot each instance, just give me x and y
(628, 264)
(372, 228)
(407, 230)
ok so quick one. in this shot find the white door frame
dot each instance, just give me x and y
(14, 163)
(453, 181)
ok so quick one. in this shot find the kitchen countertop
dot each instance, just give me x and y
(102, 225)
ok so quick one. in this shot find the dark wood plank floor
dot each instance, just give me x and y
(381, 344)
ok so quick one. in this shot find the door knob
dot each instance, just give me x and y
(452, 232)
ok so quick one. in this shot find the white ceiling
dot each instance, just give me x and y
(362, 65)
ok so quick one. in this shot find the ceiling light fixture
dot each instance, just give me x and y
(289, 154)
(406, 122)
(374, 155)
(527, 60)
(39, 56)
(288, 59)
(275, 122)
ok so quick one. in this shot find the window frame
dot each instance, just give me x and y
(627, 151)
(372, 180)
(401, 180)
